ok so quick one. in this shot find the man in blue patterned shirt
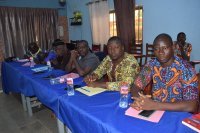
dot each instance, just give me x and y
(175, 84)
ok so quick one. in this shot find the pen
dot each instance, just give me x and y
(85, 89)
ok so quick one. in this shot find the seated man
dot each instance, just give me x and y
(86, 63)
(119, 66)
(174, 81)
(52, 52)
(181, 47)
(62, 56)
(35, 52)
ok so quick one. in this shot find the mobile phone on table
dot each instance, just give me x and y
(146, 113)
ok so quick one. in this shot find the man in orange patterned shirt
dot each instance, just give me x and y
(174, 81)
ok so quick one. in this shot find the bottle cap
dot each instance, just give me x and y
(62, 80)
(70, 81)
(31, 58)
(48, 63)
(124, 89)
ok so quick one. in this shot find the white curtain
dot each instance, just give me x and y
(99, 19)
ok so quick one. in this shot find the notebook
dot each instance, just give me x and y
(27, 64)
(155, 117)
(90, 91)
(22, 60)
(193, 122)
(39, 69)
(70, 75)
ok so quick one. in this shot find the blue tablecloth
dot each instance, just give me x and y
(49, 94)
(13, 78)
(101, 114)
(19, 79)
(82, 114)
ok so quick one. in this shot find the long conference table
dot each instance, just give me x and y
(83, 114)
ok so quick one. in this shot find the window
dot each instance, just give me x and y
(112, 24)
(138, 24)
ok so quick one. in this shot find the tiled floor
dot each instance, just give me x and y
(13, 119)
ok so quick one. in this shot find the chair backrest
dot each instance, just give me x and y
(137, 49)
(100, 55)
(105, 50)
(149, 49)
(149, 52)
(96, 48)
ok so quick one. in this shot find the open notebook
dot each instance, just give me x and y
(90, 91)
(39, 69)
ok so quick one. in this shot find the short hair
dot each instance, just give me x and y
(32, 45)
(163, 36)
(57, 42)
(116, 39)
(181, 33)
(83, 42)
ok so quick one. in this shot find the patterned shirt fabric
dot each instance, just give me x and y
(174, 83)
(125, 71)
(29, 53)
(187, 48)
(90, 60)
(38, 57)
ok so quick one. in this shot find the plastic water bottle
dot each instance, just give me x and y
(57, 81)
(70, 87)
(49, 66)
(123, 102)
(31, 62)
